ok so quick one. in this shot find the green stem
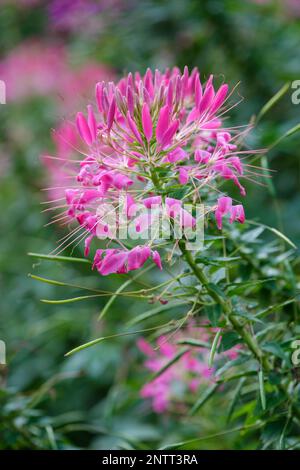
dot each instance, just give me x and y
(226, 307)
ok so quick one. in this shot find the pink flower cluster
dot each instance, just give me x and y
(150, 134)
(186, 375)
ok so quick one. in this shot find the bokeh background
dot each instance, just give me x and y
(52, 54)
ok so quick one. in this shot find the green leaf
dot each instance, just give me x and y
(262, 389)
(247, 316)
(70, 300)
(229, 364)
(275, 349)
(217, 260)
(120, 289)
(289, 133)
(229, 340)
(274, 308)
(235, 398)
(216, 289)
(239, 288)
(194, 343)
(273, 101)
(214, 348)
(251, 235)
(117, 335)
(275, 231)
(169, 363)
(113, 298)
(214, 313)
(154, 311)
(209, 392)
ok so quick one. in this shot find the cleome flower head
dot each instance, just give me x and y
(153, 142)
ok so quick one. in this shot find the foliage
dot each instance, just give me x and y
(91, 398)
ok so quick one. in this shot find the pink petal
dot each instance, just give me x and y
(219, 98)
(113, 263)
(147, 122)
(162, 123)
(83, 129)
(99, 96)
(134, 129)
(207, 99)
(92, 122)
(156, 258)
(111, 113)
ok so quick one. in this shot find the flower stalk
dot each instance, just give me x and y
(226, 307)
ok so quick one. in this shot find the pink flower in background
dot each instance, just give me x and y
(148, 134)
(32, 69)
(60, 167)
(72, 15)
(293, 7)
(186, 375)
(35, 69)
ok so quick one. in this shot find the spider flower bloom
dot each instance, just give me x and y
(186, 375)
(148, 135)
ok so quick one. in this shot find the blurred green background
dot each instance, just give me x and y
(52, 53)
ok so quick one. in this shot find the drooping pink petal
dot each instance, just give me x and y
(156, 258)
(137, 257)
(237, 213)
(113, 262)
